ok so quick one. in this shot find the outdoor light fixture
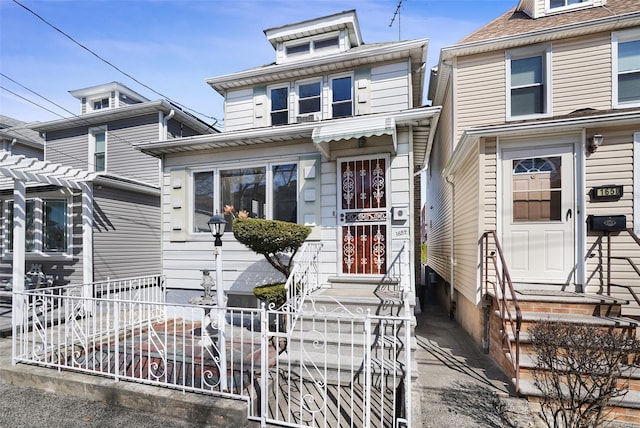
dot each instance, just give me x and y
(595, 142)
(217, 225)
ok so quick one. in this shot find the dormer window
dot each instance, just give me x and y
(554, 4)
(320, 44)
(100, 104)
(303, 48)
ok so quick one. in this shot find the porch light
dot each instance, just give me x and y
(595, 142)
(217, 225)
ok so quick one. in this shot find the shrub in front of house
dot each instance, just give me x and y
(277, 241)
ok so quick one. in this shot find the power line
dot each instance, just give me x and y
(79, 120)
(111, 64)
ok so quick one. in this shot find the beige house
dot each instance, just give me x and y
(539, 141)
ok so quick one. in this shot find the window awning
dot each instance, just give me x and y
(355, 127)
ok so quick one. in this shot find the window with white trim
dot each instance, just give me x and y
(47, 226)
(98, 149)
(556, 4)
(528, 84)
(309, 98)
(267, 191)
(341, 96)
(101, 104)
(626, 68)
(279, 105)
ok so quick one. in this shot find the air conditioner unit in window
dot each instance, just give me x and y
(308, 118)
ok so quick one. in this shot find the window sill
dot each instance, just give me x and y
(528, 117)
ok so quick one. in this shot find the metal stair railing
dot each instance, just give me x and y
(504, 292)
(628, 259)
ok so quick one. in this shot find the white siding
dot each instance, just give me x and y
(238, 110)
(390, 88)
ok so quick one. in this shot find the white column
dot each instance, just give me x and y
(87, 244)
(19, 225)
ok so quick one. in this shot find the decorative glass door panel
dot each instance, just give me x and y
(363, 216)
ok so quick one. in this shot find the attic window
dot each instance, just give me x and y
(100, 104)
(556, 4)
(298, 49)
(332, 42)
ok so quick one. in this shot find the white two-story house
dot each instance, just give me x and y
(329, 135)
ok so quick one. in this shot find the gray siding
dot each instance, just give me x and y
(177, 129)
(390, 88)
(71, 147)
(126, 234)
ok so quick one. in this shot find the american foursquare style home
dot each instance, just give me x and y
(330, 135)
(536, 162)
(87, 195)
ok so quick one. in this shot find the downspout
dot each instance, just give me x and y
(165, 125)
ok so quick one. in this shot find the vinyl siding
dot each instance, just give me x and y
(126, 234)
(27, 151)
(612, 163)
(390, 88)
(70, 147)
(177, 129)
(581, 74)
(466, 227)
(238, 110)
(488, 185)
(480, 91)
(439, 198)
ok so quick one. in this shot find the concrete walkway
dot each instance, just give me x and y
(458, 385)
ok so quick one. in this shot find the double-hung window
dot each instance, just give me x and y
(46, 226)
(98, 149)
(267, 191)
(279, 99)
(310, 98)
(341, 96)
(528, 84)
(100, 104)
(626, 68)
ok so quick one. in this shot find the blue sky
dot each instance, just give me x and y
(173, 46)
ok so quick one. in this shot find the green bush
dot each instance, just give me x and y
(271, 293)
(272, 239)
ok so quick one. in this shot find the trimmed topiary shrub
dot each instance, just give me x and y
(277, 241)
(271, 293)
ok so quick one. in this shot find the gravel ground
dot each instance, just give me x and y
(30, 407)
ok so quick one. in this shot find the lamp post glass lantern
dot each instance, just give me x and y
(216, 226)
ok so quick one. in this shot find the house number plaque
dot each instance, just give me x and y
(606, 193)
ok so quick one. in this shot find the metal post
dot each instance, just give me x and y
(221, 307)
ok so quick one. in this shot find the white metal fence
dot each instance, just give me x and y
(325, 366)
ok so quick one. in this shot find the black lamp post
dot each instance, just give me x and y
(216, 226)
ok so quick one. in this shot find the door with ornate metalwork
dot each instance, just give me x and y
(363, 215)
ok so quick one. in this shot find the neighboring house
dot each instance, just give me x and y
(16, 138)
(539, 140)
(330, 135)
(92, 203)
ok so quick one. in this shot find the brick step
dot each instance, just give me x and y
(624, 409)
(529, 318)
(568, 302)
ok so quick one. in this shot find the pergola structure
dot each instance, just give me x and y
(26, 172)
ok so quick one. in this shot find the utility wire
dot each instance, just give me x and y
(78, 120)
(111, 64)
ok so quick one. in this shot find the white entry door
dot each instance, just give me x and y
(539, 214)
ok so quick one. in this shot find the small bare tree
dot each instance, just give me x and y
(579, 370)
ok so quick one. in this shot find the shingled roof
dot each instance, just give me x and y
(514, 23)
